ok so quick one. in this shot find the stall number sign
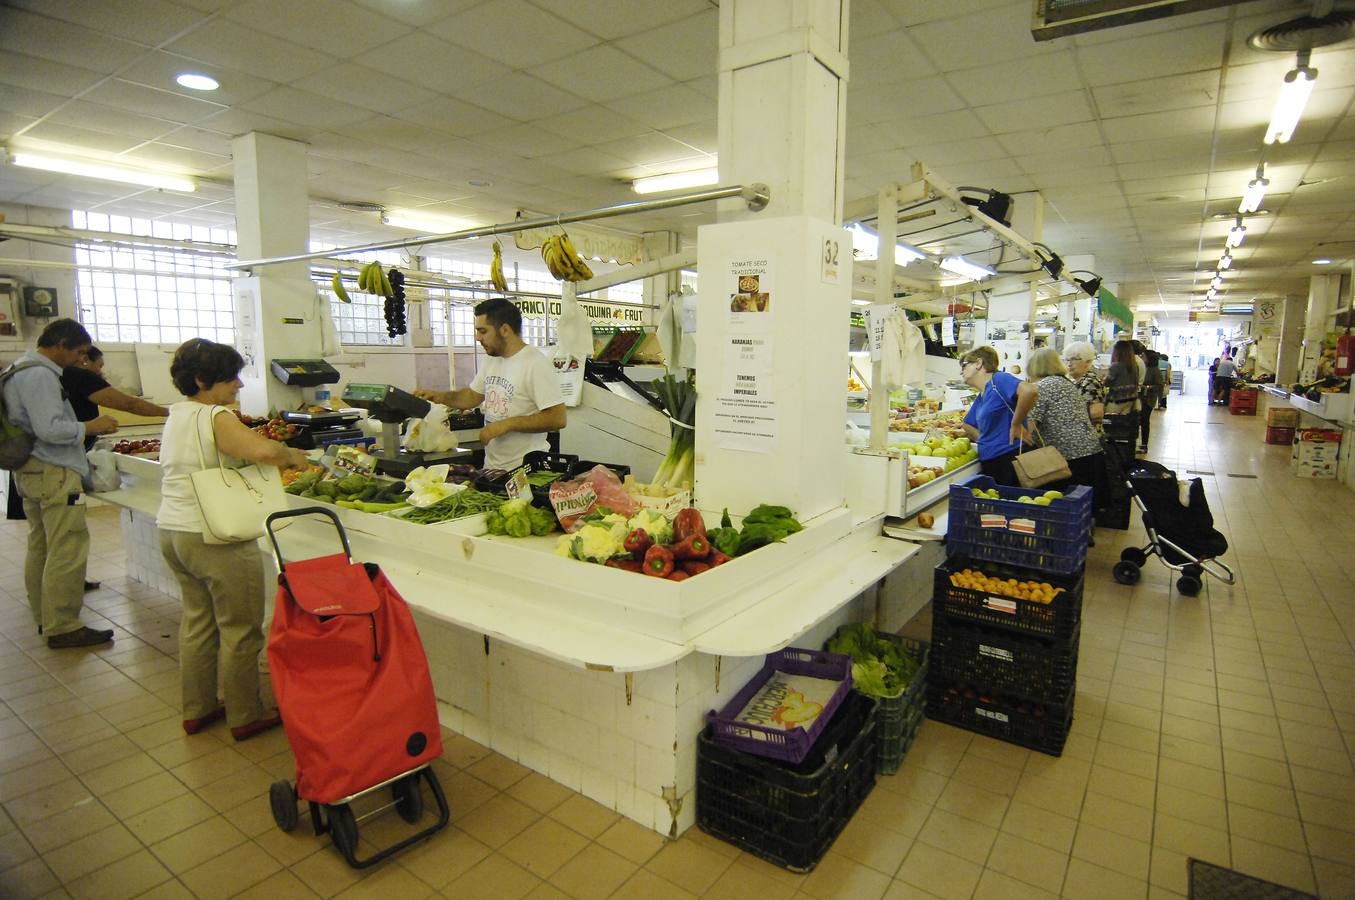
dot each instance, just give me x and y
(517, 484)
(832, 251)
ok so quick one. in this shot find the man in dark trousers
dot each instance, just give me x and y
(50, 484)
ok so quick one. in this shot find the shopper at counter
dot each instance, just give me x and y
(1059, 417)
(1079, 357)
(50, 483)
(88, 390)
(516, 389)
(221, 584)
(989, 419)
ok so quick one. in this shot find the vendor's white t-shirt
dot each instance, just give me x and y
(518, 385)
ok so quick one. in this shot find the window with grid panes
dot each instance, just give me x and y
(450, 309)
(152, 295)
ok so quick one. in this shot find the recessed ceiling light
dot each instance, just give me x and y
(1322, 261)
(196, 81)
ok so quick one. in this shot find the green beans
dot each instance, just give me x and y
(466, 503)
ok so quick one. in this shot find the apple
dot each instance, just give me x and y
(1024, 499)
(1042, 501)
(1054, 495)
(925, 520)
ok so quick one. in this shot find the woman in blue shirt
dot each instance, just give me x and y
(989, 420)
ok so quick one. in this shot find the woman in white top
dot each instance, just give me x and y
(221, 584)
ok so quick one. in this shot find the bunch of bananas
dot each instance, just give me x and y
(374, 280)
(337, 286)
(496, 269)
(563, 260)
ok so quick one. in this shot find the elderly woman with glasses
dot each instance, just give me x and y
(1059, 416)
(1078, 357)
(989, 419)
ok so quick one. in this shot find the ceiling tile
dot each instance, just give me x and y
(147, 22)
(63, 42)
(452, 116)
(236, 47)
(610, 20)
(306, 108)
(432, 63)
(593, 125)
(588, 161)
(1051, 73)
(601, 74)
(158, 69)
(58, 137)
(668, 107)
(178, 158)
(236, 122)
(681, 50)
(886, 57)
(1174, 123)
(1056, 109)
(418, 13)
(520, 96)
(25, 102)
(112, 121)
(514, 33)
(1157, 94)
(941, 156)
(655, 150)
(700, 136)
(11, 123)
(937, 129)
(360, 86)
(138, 98)
(1084, 136)
(334, 27)
(993, 34)
(526, 141)
(35, 73)
(1192, 145)
(912, 99)
(1169, 53)
(201, 139)
(910, 12)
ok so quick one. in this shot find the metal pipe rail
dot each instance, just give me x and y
(755, 195)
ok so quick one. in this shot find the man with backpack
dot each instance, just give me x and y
(40, 424)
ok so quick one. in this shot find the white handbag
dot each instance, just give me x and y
(234, 502)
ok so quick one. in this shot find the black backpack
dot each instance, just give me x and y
(16, 445)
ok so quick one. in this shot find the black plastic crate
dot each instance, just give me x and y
(789, 813)
(1002, 661)
(894, 714)
(536, 461)
(1057, 619)
(1038, 726)
(1048, 538)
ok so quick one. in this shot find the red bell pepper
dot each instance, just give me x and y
(688, 522)
(637, 542)
(658, 561)
(694, 566)
(628, 565)
(717, 558)
(693, 546)
(678, 575)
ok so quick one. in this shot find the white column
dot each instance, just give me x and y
(1291, 329)
(771, 379)
(1323, 291)
(275, 308)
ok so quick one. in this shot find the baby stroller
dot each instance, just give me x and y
(1180, 531)
(355, 695)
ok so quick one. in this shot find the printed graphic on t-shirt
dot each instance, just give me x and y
(498, 395)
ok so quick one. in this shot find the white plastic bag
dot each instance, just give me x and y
(431, 434)
(330, 345)
(103, 472)
(569, 376)
(428, 484)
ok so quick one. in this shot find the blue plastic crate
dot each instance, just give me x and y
(1049, 538)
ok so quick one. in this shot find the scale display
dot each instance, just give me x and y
(304, 372)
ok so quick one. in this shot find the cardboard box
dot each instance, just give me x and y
(1282, 417)
(1314, 470)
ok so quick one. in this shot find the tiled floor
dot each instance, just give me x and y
(1219, 727)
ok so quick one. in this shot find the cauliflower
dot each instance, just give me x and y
(617, 524)
(596, 543)
(565, 546)
(655, 524)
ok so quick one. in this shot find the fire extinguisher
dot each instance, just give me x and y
(1345, 354)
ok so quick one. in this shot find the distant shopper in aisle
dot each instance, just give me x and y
(989, 419)
(515, 388)
(88, 390)
(221, 584)
(50, 483)
(1058, 417)
(1223, 379)
(1079, 357)
(1123, 380)
(1164, 363)
(1152, 390)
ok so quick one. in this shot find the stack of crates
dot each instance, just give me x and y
(1242, 401)
(1007, 613)
(1281, 421)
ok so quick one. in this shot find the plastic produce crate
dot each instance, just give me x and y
(1003, 662)
(536, 461)
(1038, 726)
(791, 745)
(897, 717)
(1049, 538)
(786, 813)
(1242, 402)
(1282, 417)
(1279, 434)
(1057, 619)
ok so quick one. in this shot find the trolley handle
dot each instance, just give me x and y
(305, 511)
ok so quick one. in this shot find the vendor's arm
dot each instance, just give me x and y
(234, 439)
(970, 431)
(112, 398)
(1026, 395)
(549, 419)
(463, 398)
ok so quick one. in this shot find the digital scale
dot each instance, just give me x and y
(392, 407)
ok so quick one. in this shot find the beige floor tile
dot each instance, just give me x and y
(498, 821)
(1052, 796)
(1201, 779)
(1040, 827)
(444, 857)
(881, 849)
(54, 831)
(196, 844)
(838, 877)
(539, 792)
(1028, 862)
(712, 843)
(169, 818)
(1257, 768)
(91, 853)
(1169, 871)
(117, 775)
(51, 800)
(230, 871)
(544, 847)
(462, 751)
(1112, 851)
(142, 795)
(938, 872)
(131, 876)
(31, 778)
(1334, 879)
(1336, 761)
(963, 837)
(1326, 784)
(1121, 785)
(999, 752)
(15, 849)
(498, 771)
(1191, 806)
(996, 886)
(1205, 754)
(280, 884)
(632, 841)
(1116, 815)
(1191, 839)
(325, 871)
(597, 872)
(388, 880)
(1087, 881)
(912, 780)
(1266, 827)
(30, 879)
(1332, 844)
(1126, 760)
(973, 802)
(688, 865)
(645, 885)
(1131, 736)
(1273, 864)
(585, 816)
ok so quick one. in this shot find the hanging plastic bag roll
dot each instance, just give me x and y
(576, 330)
(903, 352)
(431, 434)
(330, 345)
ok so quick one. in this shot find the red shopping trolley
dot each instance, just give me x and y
(355, 696)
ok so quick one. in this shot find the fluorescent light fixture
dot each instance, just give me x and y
(1211, 294)
(1236, 310)
(1298, 86)
(1225, 261)
(196, 81)
(1322, 261)
(1216, 282)
(958, 265)
(866, 246)
(1256, 192)
(425, 222)
(654, 184)
(859, 302)
(103, 171)
(1236, 234)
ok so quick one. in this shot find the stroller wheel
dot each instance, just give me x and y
(282, 798)
(408, 798)
(343, 827)
(1125, 572)
(1193, 571)
(1134, 555)
(1188, 585)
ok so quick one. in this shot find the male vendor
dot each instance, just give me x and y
(515, 388)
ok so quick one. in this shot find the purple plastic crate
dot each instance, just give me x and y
(794, 744)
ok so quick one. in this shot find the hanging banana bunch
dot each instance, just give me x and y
(374, 280)
(563, 260)
(496, 269)
(337, 286)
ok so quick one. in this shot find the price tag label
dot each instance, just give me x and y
(517, 484)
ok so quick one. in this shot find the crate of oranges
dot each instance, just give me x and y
(1034, 603)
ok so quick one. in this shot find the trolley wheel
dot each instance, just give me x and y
(408, 798)
(1188, 585)
(343, 827)
(1193, 571)
(282, 798)
(1125, 572)
(1134, 555)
